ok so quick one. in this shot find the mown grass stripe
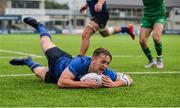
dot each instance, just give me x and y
(132, 73)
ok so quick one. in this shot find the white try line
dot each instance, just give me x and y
(21, 53)
(131, 73)
(155, 72)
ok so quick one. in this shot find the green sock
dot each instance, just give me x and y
(158, 47)
(147, 52)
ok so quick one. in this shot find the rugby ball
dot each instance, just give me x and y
(92, 76)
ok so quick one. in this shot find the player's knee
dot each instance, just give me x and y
(104, 34)
(40, 72)
(156, 37)
(143, 42)
(85, 36)
(88, 32)
(45, 39)
(93, 27)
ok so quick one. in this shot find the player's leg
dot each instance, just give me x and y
(108, 31)
(45, 40)
(89, 30)
(51, 51)
(41, 72)
(35, 67)
(143, 39)
(46, 43)
(157, 32)
(146, 29)
(102, 18)
(45, 37)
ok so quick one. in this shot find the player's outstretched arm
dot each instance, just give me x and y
(67, 81)
(128, 81)
(122, 80)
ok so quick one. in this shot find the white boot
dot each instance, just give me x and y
(160, 64)
(151, 64)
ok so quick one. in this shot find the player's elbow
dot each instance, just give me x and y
(61, 83)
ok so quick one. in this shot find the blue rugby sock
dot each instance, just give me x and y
(43, 31)
(124, 29)
(32, 65)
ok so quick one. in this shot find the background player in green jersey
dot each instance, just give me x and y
(153, 21)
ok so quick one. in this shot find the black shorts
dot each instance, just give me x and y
(52, 55)
(101, 19)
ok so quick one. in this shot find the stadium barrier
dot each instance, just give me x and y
(175, 32)
(67, 31)
(8, 31)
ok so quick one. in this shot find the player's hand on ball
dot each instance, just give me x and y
(92, 83)
(107, 82)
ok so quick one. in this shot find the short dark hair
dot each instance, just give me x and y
(99, 51)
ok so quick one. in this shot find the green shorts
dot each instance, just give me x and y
(148, 22)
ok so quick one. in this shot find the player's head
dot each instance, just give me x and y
(97, 52)
(101, 58)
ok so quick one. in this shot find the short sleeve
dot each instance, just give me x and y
(112, 74)
(75, 66)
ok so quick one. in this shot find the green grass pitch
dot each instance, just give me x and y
(156, 89)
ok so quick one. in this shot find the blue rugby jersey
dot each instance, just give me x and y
(91, 5)
(60, 66)
(79, 67)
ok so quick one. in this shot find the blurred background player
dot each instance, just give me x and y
(153, 21)
(66, 71)
(99, 17)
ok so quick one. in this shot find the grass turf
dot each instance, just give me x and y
(149, 90)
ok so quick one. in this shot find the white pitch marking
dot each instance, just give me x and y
(20, 53)
(127, 56)
(155, 72)
(132, 73)
(16, 75)
(10, 57)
